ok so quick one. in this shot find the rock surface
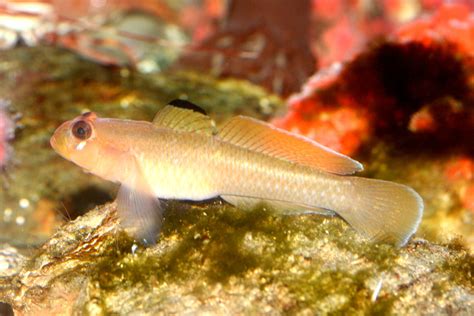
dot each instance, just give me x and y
(213, 258)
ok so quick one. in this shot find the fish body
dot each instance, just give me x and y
(182, 155)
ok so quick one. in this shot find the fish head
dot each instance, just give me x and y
(76, 140)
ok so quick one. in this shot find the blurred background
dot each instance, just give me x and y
(389, 82)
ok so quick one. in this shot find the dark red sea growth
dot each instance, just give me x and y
(418, 89)
(201, 19)
(343, 28)
(265, 41)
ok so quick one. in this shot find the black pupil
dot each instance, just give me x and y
(82, 130)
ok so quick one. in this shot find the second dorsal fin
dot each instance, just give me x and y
(185, 116)
(262, 137)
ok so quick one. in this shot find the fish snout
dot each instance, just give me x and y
(58, 140)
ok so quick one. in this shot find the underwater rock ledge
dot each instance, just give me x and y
(217, 259)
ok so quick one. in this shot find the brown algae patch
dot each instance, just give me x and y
(461, 266)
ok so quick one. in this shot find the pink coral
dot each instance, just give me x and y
(202, 19)
(6, 133)
(453, 23)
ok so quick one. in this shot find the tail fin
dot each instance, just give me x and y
(383, 211)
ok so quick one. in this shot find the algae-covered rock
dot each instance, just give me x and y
(216, 259)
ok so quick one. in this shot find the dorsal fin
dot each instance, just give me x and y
(185, 116)
(264, 138)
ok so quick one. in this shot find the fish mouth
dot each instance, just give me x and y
(53, 143)
(58, 146)
(58, 142)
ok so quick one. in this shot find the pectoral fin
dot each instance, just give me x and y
(140, 214)
(139, 210)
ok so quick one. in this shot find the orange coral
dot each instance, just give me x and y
(467, 198)
(342, 129)
(461, 169)
(460, 174)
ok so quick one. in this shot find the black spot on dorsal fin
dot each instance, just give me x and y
(187, 105)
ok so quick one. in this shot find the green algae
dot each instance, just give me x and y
(214, 237)
(212, 245)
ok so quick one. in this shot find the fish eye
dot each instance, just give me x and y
(82, 130)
